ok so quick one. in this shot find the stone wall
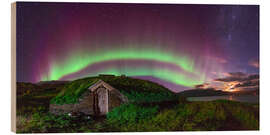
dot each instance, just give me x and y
(85, 104)
(114, 100)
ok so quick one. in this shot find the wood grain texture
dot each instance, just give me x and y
(13, 67)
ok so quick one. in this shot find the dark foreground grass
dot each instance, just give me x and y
(176, 115)
(194, 116)
(151, 108)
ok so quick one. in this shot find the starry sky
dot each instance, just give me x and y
(176, 45)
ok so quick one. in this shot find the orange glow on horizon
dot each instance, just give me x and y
(230, 87)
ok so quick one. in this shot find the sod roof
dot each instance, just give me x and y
(135, 89)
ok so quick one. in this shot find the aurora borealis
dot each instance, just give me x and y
(177, 45)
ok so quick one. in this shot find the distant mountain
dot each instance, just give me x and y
(51, 82)
(30, 88)
(202, 92)
(247, 92)
(212, 92)
(25, 87)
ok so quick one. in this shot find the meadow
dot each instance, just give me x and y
(172, 115)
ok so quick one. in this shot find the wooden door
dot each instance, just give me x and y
(95, 103)
(102, 94)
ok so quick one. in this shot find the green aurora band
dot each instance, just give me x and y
(82, 59)
(164, 74)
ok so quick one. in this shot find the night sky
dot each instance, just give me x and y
(178, 46)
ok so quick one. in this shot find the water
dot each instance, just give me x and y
(243, 98)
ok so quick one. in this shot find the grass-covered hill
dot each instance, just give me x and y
(27, 88)
(24, 88)
(136, 90)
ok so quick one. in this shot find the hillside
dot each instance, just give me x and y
(136, 90)
(26, 88)
(153, 108)
(201, 93)
(212, 92)
(250, 92)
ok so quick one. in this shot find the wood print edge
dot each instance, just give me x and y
(13, 67)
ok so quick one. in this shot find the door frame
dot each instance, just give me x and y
(96, 101)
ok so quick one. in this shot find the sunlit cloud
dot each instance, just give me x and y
(232, 82)
(254, 63)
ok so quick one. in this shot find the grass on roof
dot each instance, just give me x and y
(135, 89)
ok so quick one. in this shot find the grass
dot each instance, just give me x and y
(72, 91)
(153, 108)
(189, 116)
(152, 116)
(135, 89)
(44, 122)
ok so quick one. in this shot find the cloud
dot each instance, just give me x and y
(254, 76)
(235, 76)
(239, 77)
(247, 83)
(217, 59)
(254, 63)
(234, 81)
(240, 81)
(203, 86)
